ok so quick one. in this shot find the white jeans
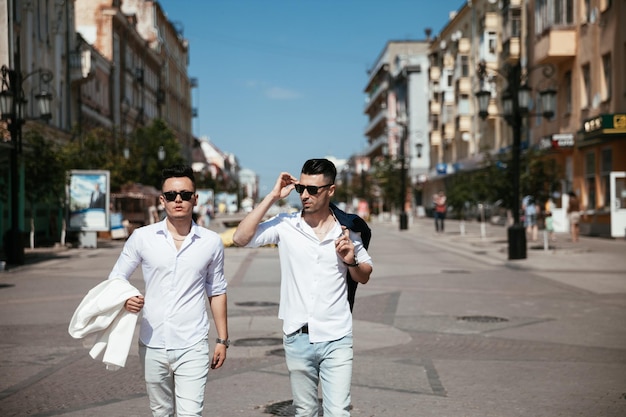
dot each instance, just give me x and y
(176, 377)
(310, 363)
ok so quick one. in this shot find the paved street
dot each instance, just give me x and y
(447, 326)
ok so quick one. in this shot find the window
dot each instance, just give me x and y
(464, 104)
(464, 66)
(435, 121)
(586, 87)
(590, 179)
(568, 91)
(550, 13)
(489, 46)
(606, 165)
(491, 43)
(586, 12)
(607, 83)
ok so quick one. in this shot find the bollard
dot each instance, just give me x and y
(546, 244)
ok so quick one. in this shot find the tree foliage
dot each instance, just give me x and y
(387, 176)
(103, 149)
(44, 167)
(493, 182)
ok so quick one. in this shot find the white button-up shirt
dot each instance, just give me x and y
(313, 288)
(176, 282)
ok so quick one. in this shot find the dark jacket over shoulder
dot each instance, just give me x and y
(357, 225)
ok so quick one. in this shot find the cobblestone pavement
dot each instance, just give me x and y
(446, 327)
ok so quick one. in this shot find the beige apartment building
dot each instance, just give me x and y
(576, 47)
(586, 41)
(149, 59)
(102, 63)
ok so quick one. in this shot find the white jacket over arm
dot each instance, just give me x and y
(101, 313)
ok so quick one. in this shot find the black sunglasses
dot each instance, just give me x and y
(185, 195)
(311, 189)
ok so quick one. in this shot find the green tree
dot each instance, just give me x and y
(144, 144)
(387, 176)
(98, 149)
(104, 149)
(44, 174)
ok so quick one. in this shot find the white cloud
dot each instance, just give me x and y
(279, 93)
(273, 92)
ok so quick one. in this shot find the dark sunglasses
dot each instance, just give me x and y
(171, 195)
(311, 189)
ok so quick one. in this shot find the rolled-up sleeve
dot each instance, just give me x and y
(215, 278)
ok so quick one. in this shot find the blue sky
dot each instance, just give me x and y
(281, 81)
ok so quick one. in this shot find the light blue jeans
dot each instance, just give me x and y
(311, 363)
(179, 373)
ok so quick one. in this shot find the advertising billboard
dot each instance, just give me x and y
(88, 194)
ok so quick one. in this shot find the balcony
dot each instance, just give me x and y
(492, 22)
(81, 65)
(464, 46)
(376, 95)
(435, 138)
(464, 123)
(377, 121)
(435, 107)
(511, 50)
(556, 46)
(464, 85)
(434, 73)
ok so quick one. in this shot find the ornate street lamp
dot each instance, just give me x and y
(418, 147)
(12, 101)
(515, 106)
(404, 218)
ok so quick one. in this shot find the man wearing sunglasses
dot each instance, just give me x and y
(316, 253)
(182, 264)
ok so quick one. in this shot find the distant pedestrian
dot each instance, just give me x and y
(440, 207)
(316, 254)
(182, 265)
(573, 215)
(548, 218)
(530, 216)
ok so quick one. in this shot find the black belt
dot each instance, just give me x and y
(304, 329)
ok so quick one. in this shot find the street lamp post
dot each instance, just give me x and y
(12, 102)
(515, 103)
(404, 220)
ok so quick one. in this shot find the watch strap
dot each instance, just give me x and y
(224, 342)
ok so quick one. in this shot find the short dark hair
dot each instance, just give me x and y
(178, 171)
(320, 166)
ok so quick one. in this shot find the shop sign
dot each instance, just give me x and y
(557, 141)
(612, 123)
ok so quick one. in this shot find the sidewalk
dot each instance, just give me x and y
(556, 345)
(489, 241)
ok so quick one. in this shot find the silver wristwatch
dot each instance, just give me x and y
(224, 342)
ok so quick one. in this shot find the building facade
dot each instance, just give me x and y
(395, 106)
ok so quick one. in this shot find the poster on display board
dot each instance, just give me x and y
(88, 194)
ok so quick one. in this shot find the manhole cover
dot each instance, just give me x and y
(454, 271)
(7, 285)
(256, 304)
(482, 319)
(286, 408)
(258, 341)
